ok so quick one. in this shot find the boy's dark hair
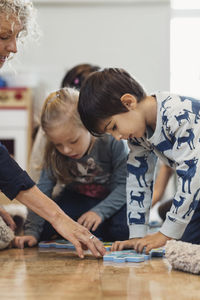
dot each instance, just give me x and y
(100, 96)
(75, 76)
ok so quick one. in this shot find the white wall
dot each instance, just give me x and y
(130, 34)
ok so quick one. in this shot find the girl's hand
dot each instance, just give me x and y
(20, 241)
(90, 220)
(78, 235)
(155, 240)
(7, 219)
(128, 244)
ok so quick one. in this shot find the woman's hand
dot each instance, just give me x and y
(127, 244)
(7, 219)
(90, 220)
(78, 235)
(21, 241)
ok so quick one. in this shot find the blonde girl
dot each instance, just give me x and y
(92, 170)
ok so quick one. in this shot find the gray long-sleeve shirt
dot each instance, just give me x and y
(101, 172)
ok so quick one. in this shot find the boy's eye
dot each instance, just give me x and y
(74, 142)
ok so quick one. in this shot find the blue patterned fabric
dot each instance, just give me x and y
(176, 141)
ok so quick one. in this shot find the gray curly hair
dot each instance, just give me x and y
(26, 14)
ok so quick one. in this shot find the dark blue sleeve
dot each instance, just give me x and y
(12, 178)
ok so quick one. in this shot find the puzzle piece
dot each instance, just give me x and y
(64, 244)
(56, 244)
(132, 255)
(126, 255)
(157, 252)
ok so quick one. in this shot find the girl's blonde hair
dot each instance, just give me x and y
(60, 107)
(25, 13)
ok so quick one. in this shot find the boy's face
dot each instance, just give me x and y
(130, 124)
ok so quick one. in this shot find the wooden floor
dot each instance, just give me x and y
(40, 274)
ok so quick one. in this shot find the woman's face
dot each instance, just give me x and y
(10, 28)
(70, 140)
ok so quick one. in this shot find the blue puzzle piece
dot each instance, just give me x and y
(132, 255)
(64, 244)
(60, 244)
(157, 252)
(125, 256)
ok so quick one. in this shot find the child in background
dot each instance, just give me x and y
(92, 169)
(162, 125)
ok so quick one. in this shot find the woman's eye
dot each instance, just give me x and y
(4, 37)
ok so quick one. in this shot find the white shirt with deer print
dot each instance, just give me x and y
(176, 141)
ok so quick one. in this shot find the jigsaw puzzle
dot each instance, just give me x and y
(115, 256)
(64, 244)
(132, 255)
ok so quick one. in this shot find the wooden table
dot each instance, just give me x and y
(40, 274)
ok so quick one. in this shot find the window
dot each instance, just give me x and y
(185, 47)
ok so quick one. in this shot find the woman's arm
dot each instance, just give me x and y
(34, 223)
(64, 225)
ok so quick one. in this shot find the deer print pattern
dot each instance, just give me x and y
(176, 141)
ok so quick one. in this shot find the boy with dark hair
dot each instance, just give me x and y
(163, 125)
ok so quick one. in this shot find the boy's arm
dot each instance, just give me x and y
(139, 187)
(117, 197)
(34, 223)
(161, 182)
(187, 158)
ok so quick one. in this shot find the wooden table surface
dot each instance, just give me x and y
(35, 274)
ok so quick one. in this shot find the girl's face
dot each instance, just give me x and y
(70, 140)
(9, 31)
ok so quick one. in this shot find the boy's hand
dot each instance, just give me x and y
(128, 244)
(155, 240)
(90, 220)
(20, 241)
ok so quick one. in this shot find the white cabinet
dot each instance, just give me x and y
(16, 123)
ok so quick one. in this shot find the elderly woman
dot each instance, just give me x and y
(16, 21)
